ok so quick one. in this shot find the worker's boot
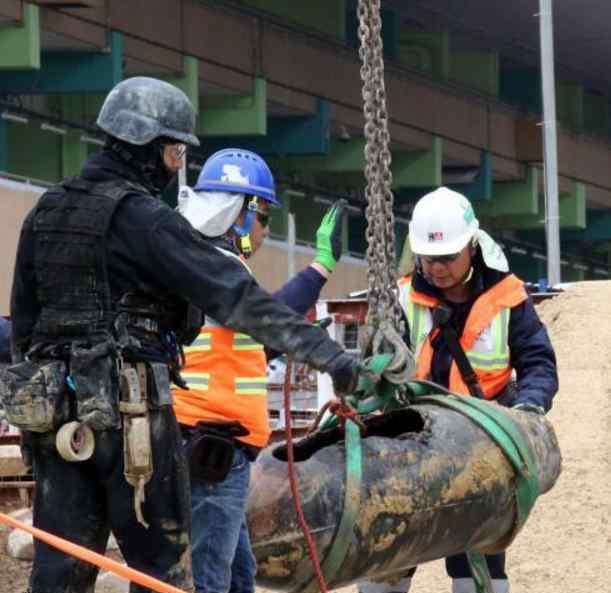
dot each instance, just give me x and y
(397, 586)
(468, 586)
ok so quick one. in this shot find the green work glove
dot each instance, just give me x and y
(329, 236)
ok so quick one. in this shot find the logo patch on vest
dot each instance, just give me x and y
(484, 342)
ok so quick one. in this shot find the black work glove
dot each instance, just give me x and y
(345, 370)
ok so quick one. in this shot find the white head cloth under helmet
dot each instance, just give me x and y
(210, 212)
(443, 223)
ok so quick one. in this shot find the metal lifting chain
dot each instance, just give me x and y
(384, 317)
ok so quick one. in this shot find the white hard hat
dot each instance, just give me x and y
(443, 222)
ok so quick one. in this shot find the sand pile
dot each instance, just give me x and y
(579, 324)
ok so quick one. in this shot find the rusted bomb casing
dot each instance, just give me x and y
(433, 484)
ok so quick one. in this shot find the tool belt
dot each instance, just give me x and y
(210, 449)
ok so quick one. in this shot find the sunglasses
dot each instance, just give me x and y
(440, 259)
(264, 218)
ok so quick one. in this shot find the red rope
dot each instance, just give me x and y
(293, 481)
(340, 409)
(344, 412)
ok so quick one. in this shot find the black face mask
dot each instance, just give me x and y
(148, 160)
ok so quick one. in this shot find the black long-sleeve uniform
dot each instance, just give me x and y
(151, 251)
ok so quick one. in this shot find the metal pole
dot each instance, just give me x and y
(550, 162)
(291, 240)
(324, 384)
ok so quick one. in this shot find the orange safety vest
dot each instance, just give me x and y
(226, 373)
(484, 338)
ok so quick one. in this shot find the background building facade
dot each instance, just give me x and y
(282, 78)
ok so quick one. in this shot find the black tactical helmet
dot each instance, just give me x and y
(140, 109)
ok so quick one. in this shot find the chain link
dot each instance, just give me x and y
(383, 303)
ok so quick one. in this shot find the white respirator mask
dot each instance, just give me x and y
(210, 212)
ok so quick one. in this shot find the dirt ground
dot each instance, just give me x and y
(13, 573)
(566, 545)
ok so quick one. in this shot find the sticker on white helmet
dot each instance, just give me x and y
(469, 214)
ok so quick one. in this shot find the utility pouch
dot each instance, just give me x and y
(94, 373)
(191, 325)
(137, 449)
(211, 449)
(34, 395)
(138, 457)
(159, 392)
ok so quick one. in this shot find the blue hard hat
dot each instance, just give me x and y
(240, 171)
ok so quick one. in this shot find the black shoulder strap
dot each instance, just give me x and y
(441, 318)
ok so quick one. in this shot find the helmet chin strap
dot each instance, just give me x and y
(244, 245)
(242, 231)
(472, 250)
(467, 277)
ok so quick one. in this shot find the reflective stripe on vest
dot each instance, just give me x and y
(226, 373)
(201, 344)
(491, 349)
(245, 342)
(418, 315)
(251, 385)
(485, 337)
(197, 380)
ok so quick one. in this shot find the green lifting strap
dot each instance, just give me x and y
(344, 535)
(508, 437)
(352, 502)
(377, 397)
(369, 395)
(480, 572)
(500, 428)
(504, 432)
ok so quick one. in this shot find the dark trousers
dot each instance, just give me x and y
(82, 502)
(457, 566)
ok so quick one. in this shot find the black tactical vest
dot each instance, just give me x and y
(71, 224)
(71, 227)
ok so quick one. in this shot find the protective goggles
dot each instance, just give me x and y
(440, 259)
(264, 218)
